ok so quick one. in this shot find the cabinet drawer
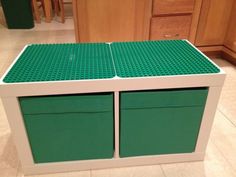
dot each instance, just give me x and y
(172, 27)
(161, 7)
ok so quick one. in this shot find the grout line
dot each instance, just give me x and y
(112, 58)
(222, 154)
(226, 117)
(163, 171)
(18, 168)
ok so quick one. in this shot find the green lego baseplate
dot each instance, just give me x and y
(159, 58)
(58, 62)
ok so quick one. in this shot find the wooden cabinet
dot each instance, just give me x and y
(174, 19)
(112, 20)
(213, 22)
(171, 27)
(135, 20)
(209, 24)
(230, 38)
(216, 31)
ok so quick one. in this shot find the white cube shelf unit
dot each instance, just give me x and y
(91, 106)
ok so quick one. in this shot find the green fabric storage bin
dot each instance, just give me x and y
(160, 122)
(18, 14)
(70, 127)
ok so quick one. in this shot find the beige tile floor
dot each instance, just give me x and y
(220, 158)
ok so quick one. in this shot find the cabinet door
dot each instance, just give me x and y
(230, 39)
(112, 20)
(213, 22)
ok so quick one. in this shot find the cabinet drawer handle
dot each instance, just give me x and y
(169, 35)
